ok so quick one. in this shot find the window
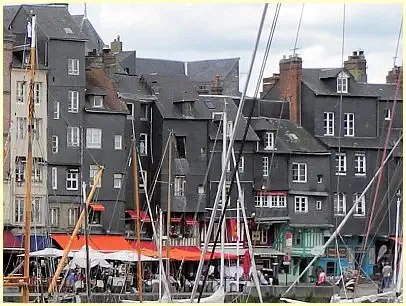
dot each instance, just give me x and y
(299, 172)
(388, 113)
(200, 190)
(180, 183)
(36, 210)
(329, 124)
(130, 107)
(342, 84)
(93, 138)
(339, 204)
(92, 175)
(55, 144)
(37, 93)
(98, 101)
(73, 216)
(319, 178)
(349, 124)
(95, 217)
(181, 146)
(54, 216)
(72, 179)
(73, 66)
(54, 178)
(19, 210)
(318, 205)
(56, 110)
(73, 136)
(269, 141)
(142, 182)
(143, 144)
(73, 104)
(118, 142)
(21, 127)
(265, 166)
(20, 169)
(229, 128)
(278, 200)
(241, 165)
(36, 170)
(360, 164)
(301, 204)
(144, 111)
(360, 208)
(118, 177)
(264, 200)
(37, 128)
(187, 109)
(20, 92)
(264, 236)
(341, 164)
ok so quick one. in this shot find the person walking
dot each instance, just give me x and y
(386, 275)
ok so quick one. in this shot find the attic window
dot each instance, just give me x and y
(187, 108)
(292, 137)
(342, 83)
(68, 30)
(269, 141)
(98, 101)
(209, 104)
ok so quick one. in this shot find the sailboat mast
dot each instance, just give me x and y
(168, 220)
(28, 170)
(86, 232)
(395, 262)
(138, 225)
(160, 252)
(223, 194)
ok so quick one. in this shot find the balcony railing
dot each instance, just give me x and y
(193, 241)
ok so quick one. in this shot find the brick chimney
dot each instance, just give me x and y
(357, 66)
(116, 45)
(217, 88)
(290, 79)
(394, 74)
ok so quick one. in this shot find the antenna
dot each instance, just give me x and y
(294, 51)
(85, 13)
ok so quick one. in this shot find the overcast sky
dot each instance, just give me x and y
(190, 32)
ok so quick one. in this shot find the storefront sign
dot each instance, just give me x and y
(332, 252)
(288, 237)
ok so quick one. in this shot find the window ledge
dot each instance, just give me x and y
(269, 149)
(349, 135)
(341, 173)
(359, 216)
(339, 215)
(301, 212)
(301, 182)
(360, 174)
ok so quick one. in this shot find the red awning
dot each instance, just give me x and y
(10, 242)
(176, 220)
(97, 207)
(143, 215)
(190, 221)
(102, 243)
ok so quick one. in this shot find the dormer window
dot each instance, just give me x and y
(342, 83)
(187, 108)
(98, 101)
(269, 141)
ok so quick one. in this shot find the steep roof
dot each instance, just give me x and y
(385, 91)
(159, 66)
(98, 83)
(205, 71)
(216, 104)
(86, 27)
(9, 12)
(291, 138)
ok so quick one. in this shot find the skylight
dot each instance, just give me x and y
(209, 104)
(68, 30)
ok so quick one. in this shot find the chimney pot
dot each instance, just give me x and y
(354, 53)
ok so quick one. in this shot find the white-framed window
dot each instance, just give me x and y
(20, 169)
(180, 184)
(301, 204)
(21, 128)
(36, 210)
(360, 208)
(264, 236)
(56, 109)
(73, 66)
(277, 200)
(20, 92)
(262, 200)
(328, 124)
(229, 128)
(143, 144)
(37, 93)
(54, 178)
(341, 164)
(72, 179)
(73, 104)
(54, 216)
(142, 182)
(73, 216)
(299, 172)
(342, 84)
(118, 178)
(318, 205)
(241, 165)
(360, 164)
(98, 101)
(130, 107)
(269, 141)
(55, 144)
(349, 129)
(118, 142)
(388, 114)
(37, 128)
(93, 169)
(144, 111)
(36, 175)
(265, 166)
(73, 136)
(93, 138)
(340, 207)
(19, 210)
(200, 190)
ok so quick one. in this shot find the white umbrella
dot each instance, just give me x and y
(47, 252)
(128, 256)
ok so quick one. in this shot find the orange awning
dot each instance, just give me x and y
(176, 220)
(97, 207)
(190, 221)
(143, 215)
(102, 243)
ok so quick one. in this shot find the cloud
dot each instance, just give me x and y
(203, 31)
